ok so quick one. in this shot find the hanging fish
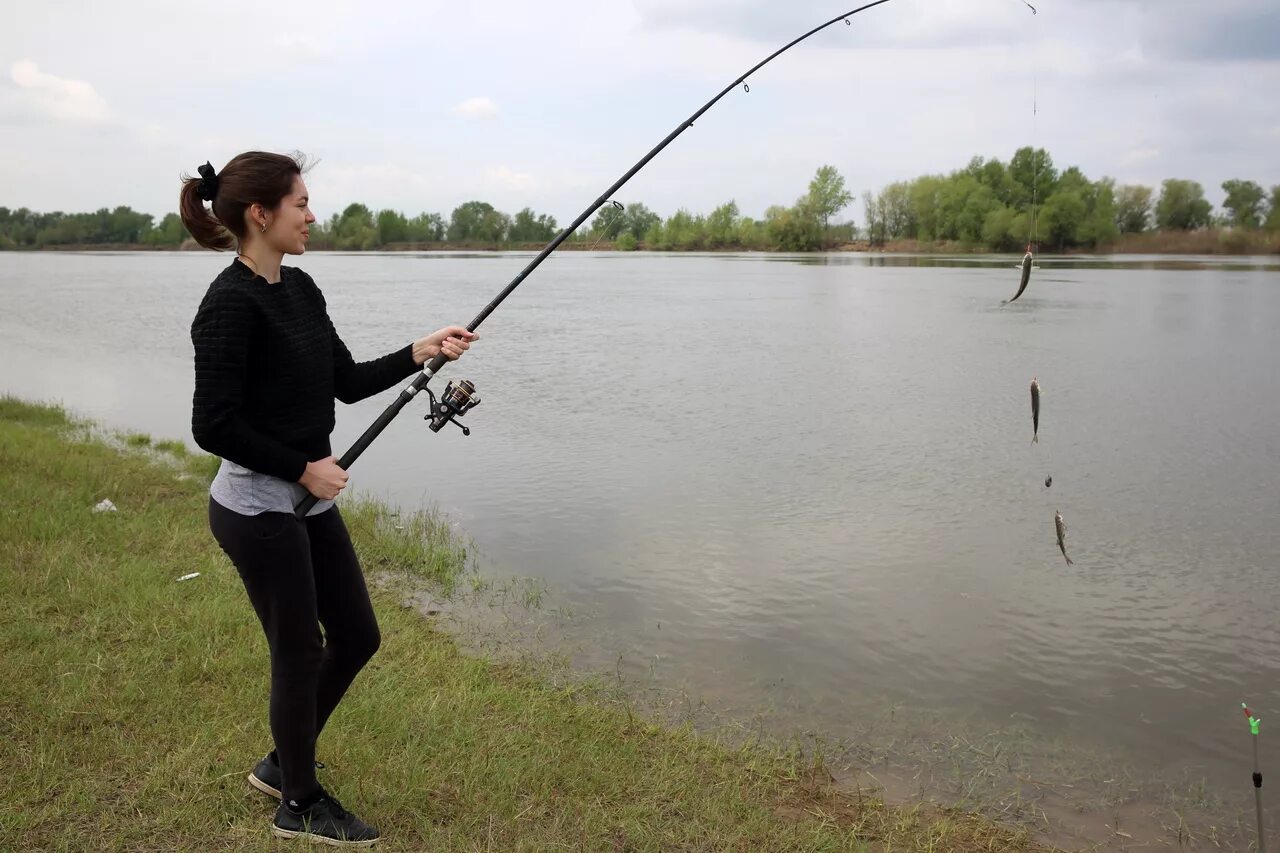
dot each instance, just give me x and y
(1025, 266)
(1061, 527)
(1035, 412)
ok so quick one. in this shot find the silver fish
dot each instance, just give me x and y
(1035, 411)
(1026, 276)
(1062, 535)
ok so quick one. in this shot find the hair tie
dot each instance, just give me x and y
(208, 187)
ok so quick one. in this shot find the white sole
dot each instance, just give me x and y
(289, 833)
(264, 787)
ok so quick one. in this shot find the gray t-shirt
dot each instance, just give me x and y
(251, 493)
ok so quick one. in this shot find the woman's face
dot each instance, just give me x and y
(288, 225)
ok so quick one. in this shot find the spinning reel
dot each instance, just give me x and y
(455, 402)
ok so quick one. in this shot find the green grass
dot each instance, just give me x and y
(137, 439)
(174, 448)
(132, 705)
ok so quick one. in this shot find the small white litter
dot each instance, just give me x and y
(105, 506)
(188, 577)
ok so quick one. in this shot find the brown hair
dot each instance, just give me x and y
(254, 177)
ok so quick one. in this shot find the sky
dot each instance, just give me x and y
(420, 106)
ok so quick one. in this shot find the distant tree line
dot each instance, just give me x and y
(988, 204)
(803, 226)
(25, 229)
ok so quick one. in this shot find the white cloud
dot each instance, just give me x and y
(476, 108)
(504, 178)
(70, 100)
(304, 48)
(1140, 155)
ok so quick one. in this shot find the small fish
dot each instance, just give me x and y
(1048, 481)
(1026, 276)
(1035, 411)
(1062, 535)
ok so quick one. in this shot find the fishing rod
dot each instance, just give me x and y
(1254, 723)
(458, 399)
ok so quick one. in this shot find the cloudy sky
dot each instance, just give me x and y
(423, 105)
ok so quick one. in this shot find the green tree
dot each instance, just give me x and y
(998, 229)
(478, 221)
(752, 234)
(355, 229)
(1099, 225)
(392, 227)
(1244, 203)
(722, 226)
(795, 229)
(426, 228)
(995, 176)
(874, 210)
(1133, 209)
(170, 232)
(1032, 175)
(656, 237)
(924, 206)
(827, 194)
(1273, 217)
(1182, 206)
(894, 207)
(527, 227)
(640, 219)
(609, 222)
(1061, 219)
(962, 207)
(685, 231)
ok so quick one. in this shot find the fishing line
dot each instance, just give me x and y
(1033, 230)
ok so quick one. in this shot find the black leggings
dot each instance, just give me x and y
(300, 576)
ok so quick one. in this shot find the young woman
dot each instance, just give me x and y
(268, 365)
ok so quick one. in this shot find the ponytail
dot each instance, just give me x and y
(254, 177)
(199, 220)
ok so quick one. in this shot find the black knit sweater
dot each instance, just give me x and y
(268, 367)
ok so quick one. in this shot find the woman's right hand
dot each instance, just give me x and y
(323, 478)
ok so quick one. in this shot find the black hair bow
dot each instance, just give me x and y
(208, 187)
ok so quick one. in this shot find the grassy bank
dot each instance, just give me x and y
(132, 704)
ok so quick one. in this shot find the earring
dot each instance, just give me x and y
(264, 228)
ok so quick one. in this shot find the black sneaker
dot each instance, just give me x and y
(325, 821)
(266, 777)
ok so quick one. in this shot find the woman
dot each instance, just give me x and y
(268, 365)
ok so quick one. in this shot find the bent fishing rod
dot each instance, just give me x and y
(457, 399)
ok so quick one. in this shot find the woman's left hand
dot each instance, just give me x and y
(453, 341)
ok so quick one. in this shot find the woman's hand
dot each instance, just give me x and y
(323, 478)
(453, 341)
